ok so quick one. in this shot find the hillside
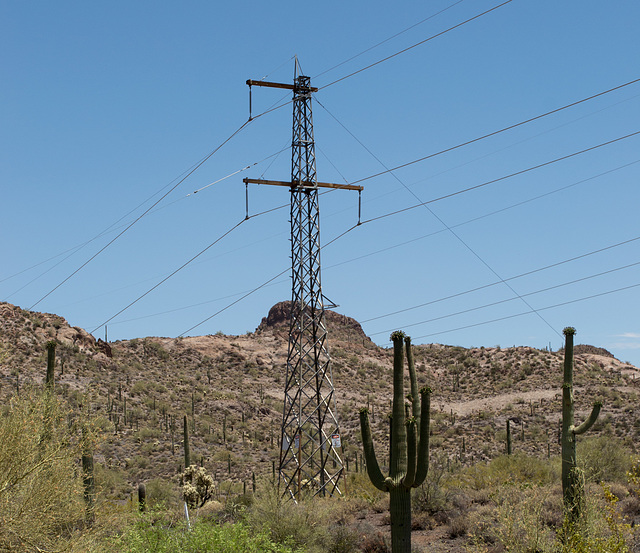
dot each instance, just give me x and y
(241, 377)
(232, 388)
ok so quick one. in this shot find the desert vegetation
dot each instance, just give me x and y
(131, 406)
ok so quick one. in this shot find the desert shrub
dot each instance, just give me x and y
(434, 495)
(40, 482)
(511, 469)
(374, 542)
(110, 482)
(359, 487)
(604, 458)
(301, 526)
(161, 491)
(149, 534)
(342, 539)
(515, 524)
(601, 531)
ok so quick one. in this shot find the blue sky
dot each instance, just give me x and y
(105, 106)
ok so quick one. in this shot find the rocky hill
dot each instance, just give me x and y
(231, 387)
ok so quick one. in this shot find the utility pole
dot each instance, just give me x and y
(310, 461)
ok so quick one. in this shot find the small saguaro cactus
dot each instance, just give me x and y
(572, 488)
(187, 452)
(409, 445)
(142, 497)
(51, 364)
(88, 482)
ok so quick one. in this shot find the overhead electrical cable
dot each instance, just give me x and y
(197, 166)
(485, 286)
(401, 211)
(388, 39)
(233, 303)
(170, 275)
(259, 287)
(601, 294)
(413, 307)
(499, 302)
(502, 149)
(416, 44)
(504, 129)
(479, 217)
(188, 174)
(454, 233)
(113, 226)
(511, 175)
(386, 171)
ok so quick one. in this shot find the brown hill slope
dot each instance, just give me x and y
(232, 389)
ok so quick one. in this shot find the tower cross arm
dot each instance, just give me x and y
(286, 86)
(304, 184)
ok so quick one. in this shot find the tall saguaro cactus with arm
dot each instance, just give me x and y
(409, 446)
(572, 489)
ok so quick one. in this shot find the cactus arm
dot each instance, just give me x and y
(412, 453)
(422, 461)
(593, 417)
(414, 381)
(373, 469)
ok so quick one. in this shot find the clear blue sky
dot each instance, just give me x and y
(104, 104)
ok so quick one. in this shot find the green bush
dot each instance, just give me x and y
(150, 534)
(604, 458)
(518, 468)
(41, 494)
(301, 526)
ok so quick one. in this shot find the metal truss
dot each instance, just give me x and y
(310, 461)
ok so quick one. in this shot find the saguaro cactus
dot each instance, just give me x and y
(409, 446)
(187, 452)
(51, 364)
(142, 497)
(572, 489)
(88, 482)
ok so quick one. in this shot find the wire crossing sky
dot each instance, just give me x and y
(108, 109)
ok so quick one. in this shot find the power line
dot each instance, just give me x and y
(486, 183)
(197, 166)
(504, 129)
(474, 219)
(189, 173)
(499, 302)
(388, 39)
(450, 229)
(389, 170)
(456, 235)
(502, 149)
(396, 212)
(170, 275)
(105, 231)
(233, 303)
(624, 288)
(485, 286)
(503, 281)
(259, 287)
(417, 44)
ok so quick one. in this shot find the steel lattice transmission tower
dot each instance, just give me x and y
(310, 460)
